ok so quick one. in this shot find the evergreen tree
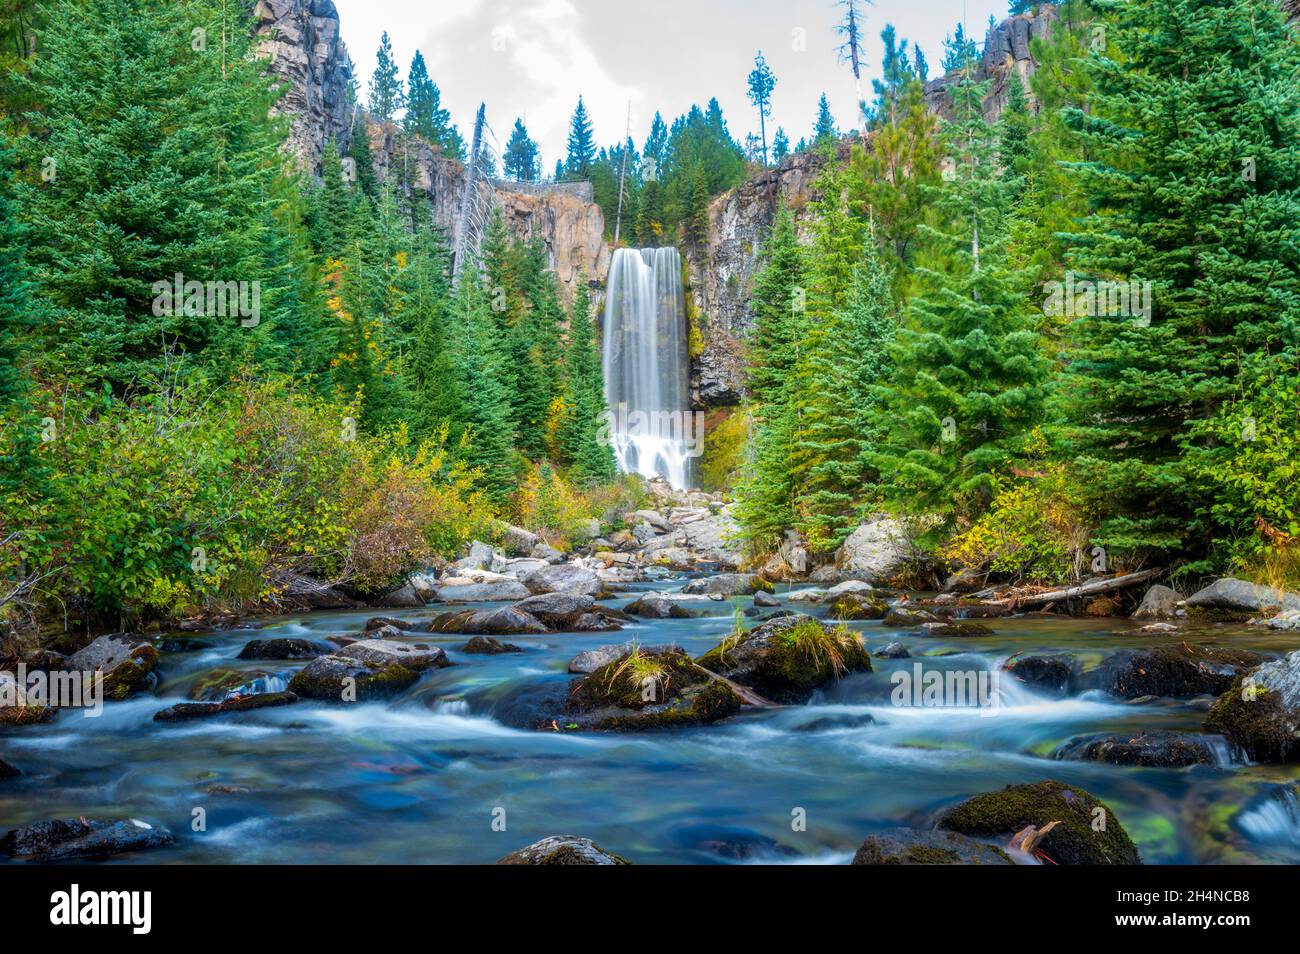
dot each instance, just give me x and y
(591, 459)
(780, 145)
(425, 116)
(1195, 182)
(363, 162)
(166, 175)
(968, 378)
(766, 499)
(761, 83)
(521, 160)
(824, 131)
(482, 407)
(22, 475)
(845, 364)
(582, 144)
(386, 96)
(896, 74)
(959, 52)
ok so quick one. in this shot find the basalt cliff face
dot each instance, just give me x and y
(722, 271)
(301, 40)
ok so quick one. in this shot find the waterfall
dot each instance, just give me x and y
(645, 360)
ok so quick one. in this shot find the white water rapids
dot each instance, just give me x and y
(646, 364)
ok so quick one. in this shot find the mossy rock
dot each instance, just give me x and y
(1154, 749)
(1084, 835)
(563, 850)
(785, 659)
(855, 606)
(325, 678)
(1176, 671)
(643, 689)
(1257, 723)
(912, 846)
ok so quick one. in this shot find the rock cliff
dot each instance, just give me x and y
(302, 42)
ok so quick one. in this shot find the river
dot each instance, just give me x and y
(435, 775)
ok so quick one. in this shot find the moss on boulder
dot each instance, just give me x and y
(563, 850)
(787, 658)
(1260, 712)
(913, 846)
(1087, 833)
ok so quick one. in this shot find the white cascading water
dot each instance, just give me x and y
(646, 363)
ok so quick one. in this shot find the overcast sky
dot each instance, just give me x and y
(532, 58)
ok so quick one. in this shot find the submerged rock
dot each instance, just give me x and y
(727, 584)
(894, 650)
(487, 646)
(786, 658)
(914, 846)
(82, 839)
(126, 661)
(563, 850)
(956, 628)
(184, 711)
(1087, 832)
(287, 648)
(645, 689)
(1260, 713)
(1154, 749)
(8, 771)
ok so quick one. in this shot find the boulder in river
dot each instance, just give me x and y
(7, 771)
(856, 605)
(1176, 670)
(283, 648)
(589, 660)
(126, 661)
(488, 646)
(184, 711)
(1260, 713)
(1160, 602)
(504, 621)
(956, 628)
(405, 596)
(904, 616)
(787, 658)
(563, 578)
(368, 671)
(654, 606)
(646, 689)
(1238, 598)
(81, 839)
(557, 609)
(1087, 831)
(17, 708)
(915, 846)
(894, 650)
(727, 584)
(1154, 749)
(504, 589)
(874, 551)
(1052, 673)
(517, 541)
(765, 599)
(563, 850)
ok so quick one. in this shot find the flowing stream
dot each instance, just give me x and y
(646, 364)
(422, 777)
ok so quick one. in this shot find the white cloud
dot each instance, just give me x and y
(656, 54)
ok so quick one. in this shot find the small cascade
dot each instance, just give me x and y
(646, 364)
(1276, 820)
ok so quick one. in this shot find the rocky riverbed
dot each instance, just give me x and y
(545, 708)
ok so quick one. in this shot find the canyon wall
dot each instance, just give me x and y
(301, 41)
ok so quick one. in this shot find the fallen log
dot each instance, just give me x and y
(1091, 588)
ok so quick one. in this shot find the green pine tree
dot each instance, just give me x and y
(386, 98)
(591, 459)
(1195, 182)
(582, 144)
